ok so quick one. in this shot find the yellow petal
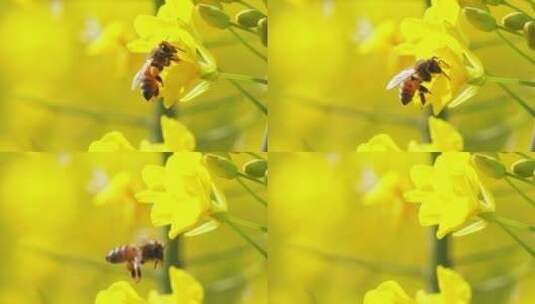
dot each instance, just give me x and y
(119, 293)
(379, 143)
(176, 9)
(177, 137)
(186, 214)
(111, 142)
(453, 288)
(185, 287)
(444, 136)
(154, 177)
(387, 293)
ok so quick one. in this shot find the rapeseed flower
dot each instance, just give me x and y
(182, 193)
(450, 193)
(444, 138)
(185, 79)
(176, 138)
(185, 289)
(438, 34)
(453, 290)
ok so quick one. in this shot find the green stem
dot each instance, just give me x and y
(517, 9)
(240, 77)
(243, 28)
(251, 192)
(501, 28)
(247, 5)
(264, 146)
(522, 194)
(237, 229)
(251, 178)
(247, 45)
(250, 97)
(519, 178)
(505, 80)
(247, 224)
(511, 234)
(513, 224)
(518, 99)
(524, 155)
(97, 115)
(515, 48)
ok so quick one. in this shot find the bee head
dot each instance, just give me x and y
(167, 47)
(153, 251)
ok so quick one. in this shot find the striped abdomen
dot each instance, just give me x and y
(122, 254)
(408, 89)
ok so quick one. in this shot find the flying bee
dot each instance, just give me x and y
(148, 77)
(411, 79)
(135, 256)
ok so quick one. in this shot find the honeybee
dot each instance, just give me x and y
(135, 256)
(148, 77)
(411, 79)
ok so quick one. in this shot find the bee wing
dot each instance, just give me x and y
(136, 82)
(399, 78)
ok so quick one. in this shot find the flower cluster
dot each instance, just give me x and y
(450, 193)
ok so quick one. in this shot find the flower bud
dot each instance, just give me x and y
(489, 166)
(256, 168)
(214, 16)
(249, 17)
(529, 33)
(474, 3)
(515, 21)
(524, 167)
(220, 166)
(480, 19)
(494, 2)
(262, 30)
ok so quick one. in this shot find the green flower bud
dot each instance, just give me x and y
(474, 3)
(489, 166)
(524, 167)
(515, 21)
(494, 2)
(220, 166)
(262, 30)
(214, 16)
(249, 17)
(529, 33)
(480, 19)
(256, 168)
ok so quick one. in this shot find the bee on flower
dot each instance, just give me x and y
(177, 57)
(438, 35)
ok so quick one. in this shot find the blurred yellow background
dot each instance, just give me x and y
(327, 87)
(331, 241)
(54, 235)
(56, 96)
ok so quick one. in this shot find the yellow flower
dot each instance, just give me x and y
(181, 193)
(450, 192)
(185, 289)
(383, 38)
(453, 290)
(183, 80)
(176, 136)
(386, 293)
(119, 293)
(111, 142)
(444, 138)
(379, 143)
(438, 34)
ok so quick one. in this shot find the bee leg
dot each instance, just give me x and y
(159, 79)
(155, 264)
(422, 97)
(447, 76)
(424, 89)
